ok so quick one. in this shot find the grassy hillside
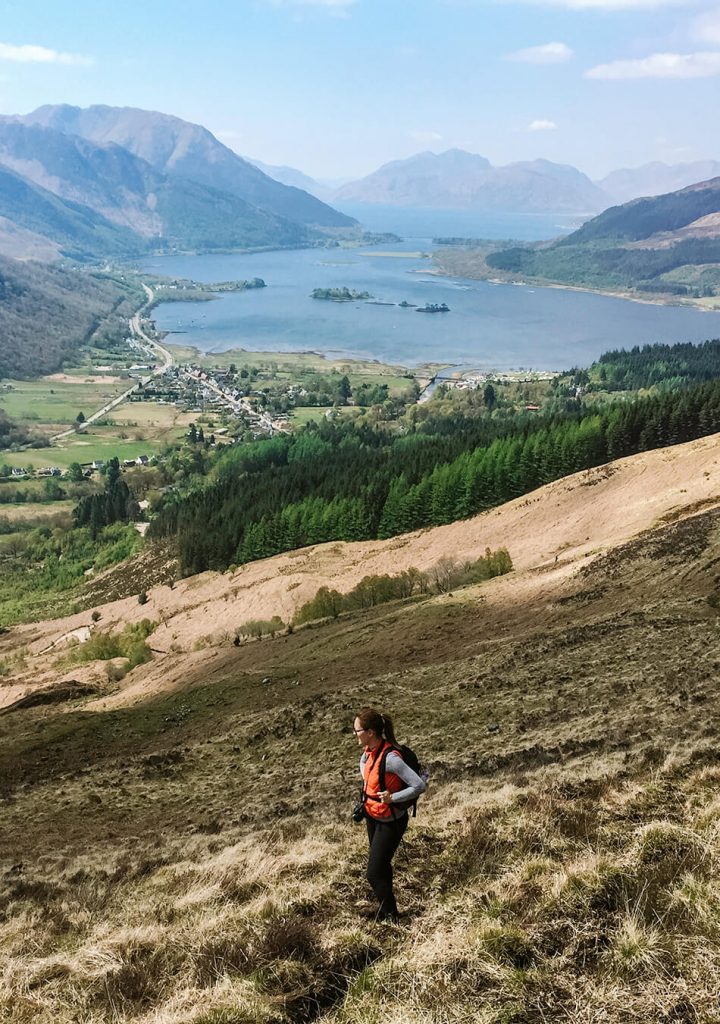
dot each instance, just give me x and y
(186, 856)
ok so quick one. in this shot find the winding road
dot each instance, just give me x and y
(150, 346)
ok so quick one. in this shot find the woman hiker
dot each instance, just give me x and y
(385, 809)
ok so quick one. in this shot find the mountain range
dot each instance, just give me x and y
(460, 180)
(457, 179)
(112, 181)
(118, 181)
(656, 178)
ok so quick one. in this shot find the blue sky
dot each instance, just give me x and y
(338, 87)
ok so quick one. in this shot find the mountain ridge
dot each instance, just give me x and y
(177, 147)
(458, 179)
(656, 178)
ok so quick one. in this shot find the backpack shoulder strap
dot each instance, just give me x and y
(389, 749)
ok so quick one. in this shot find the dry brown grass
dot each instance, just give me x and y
(576, 902)
(187, 859)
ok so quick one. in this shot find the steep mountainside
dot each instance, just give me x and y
(45, 312)
(656, 178)
(180, 846)
(465, 180)
(32, 213)
(571, 518)
(175, 147)
(106, 183)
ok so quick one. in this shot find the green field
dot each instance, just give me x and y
(299, 417)
(134, 428)
(53, 402)
(81, 448)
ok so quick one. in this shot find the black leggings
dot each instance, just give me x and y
(384, 838)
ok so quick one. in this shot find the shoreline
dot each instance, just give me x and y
(531, 282)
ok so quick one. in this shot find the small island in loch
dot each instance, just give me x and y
(339, 295)
(433, 307)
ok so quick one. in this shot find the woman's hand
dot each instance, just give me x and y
(386, 796)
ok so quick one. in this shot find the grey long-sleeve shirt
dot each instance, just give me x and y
(395, 764)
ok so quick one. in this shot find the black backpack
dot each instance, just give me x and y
(412, 761)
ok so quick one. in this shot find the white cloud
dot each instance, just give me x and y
(542, 126)
(659, 65)
(40, 55)
(707, 27)
(426, 136)
(548, 53)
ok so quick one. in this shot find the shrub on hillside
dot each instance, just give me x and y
(261, 627)
(447, 574)
(130, 644)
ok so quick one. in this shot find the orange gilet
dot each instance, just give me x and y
(371, 776)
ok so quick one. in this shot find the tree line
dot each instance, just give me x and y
(652, 365)
(342, 482)
(114, 504)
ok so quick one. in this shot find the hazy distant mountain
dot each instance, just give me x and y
(461, 180)
(295, 178)
(176, 147)
(123, 192)
(426, 179)
(656, 178)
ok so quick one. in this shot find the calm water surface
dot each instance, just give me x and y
(489, 326)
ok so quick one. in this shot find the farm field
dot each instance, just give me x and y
(156, 423)
(48, 403)
(134, 428)
(82, 448)
(22, 511)
(299, 417)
